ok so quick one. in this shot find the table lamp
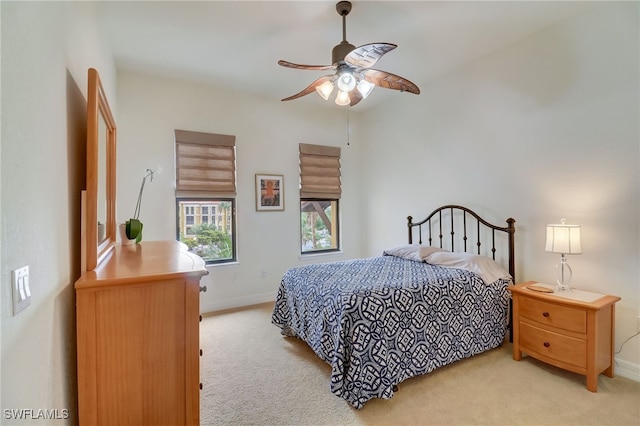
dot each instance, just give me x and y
(563, 239)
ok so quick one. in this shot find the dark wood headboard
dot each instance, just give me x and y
(463, 224)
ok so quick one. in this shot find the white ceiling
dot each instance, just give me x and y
(237, 44)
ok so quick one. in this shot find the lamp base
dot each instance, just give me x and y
(563, 275)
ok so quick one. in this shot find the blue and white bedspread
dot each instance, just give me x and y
(381, 320)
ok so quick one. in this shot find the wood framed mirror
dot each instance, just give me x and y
(100, 198)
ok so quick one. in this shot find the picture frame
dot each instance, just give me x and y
(269, 192)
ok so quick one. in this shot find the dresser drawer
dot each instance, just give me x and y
(562, 317)
(562, 348)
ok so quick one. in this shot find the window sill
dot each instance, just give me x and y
(220, 265)
(325, 254)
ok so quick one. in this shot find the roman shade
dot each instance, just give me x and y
(205, 164)
(320, 172)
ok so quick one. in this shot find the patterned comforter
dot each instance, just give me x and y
(381, 320)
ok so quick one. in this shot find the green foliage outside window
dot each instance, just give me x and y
(318, 225)
(209, 243)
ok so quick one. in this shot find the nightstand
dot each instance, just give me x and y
(572, 330)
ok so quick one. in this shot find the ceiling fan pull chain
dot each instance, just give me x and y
(348, 126)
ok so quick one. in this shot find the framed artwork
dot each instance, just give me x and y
(269, 192)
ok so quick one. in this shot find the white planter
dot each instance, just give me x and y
(122, 229)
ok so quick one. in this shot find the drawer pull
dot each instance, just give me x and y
(200, 352)
(203, 289)
(546, 344)
(545, 314)
(200, 386)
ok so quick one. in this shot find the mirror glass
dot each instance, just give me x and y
(99, 218)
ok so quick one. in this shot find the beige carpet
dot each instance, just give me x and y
(252, 375)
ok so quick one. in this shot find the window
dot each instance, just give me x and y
(320, 191)
(189, 219)
(318, 225)
(210, 238)
(205, 194)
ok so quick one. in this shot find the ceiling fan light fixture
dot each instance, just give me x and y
(343, 98)
(325, 89)
(364, 87)
(346, 82)
(352, 67)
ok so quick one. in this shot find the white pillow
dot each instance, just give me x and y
(416, 252)
(488, 269)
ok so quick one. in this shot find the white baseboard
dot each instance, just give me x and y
(238, 302)
(627, 369)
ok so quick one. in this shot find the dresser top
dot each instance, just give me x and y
(147, 261)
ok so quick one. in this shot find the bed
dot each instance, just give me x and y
(378, 321)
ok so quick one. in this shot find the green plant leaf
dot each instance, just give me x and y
(134, 229)
(139, 237)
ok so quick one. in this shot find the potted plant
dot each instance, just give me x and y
(133, 226)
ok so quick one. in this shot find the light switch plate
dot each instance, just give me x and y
(20, 289)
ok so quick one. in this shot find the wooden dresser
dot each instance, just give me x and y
(138, 337)
(573, 330)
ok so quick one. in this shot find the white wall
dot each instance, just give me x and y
(543, 129)
(267, 136)
(46, 51)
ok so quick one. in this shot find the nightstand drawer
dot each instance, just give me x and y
(556, 346)
(564, 317)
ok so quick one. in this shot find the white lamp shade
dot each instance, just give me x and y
(325, 89)
(364, 87)
(346, 82)
(343, 98)
(563, 239)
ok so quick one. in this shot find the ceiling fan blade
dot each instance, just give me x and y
(310, 88)
(355, 96)
(367, 55)
(305, 67)
(389, 81)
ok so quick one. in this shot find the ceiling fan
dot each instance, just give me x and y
(352, 70)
